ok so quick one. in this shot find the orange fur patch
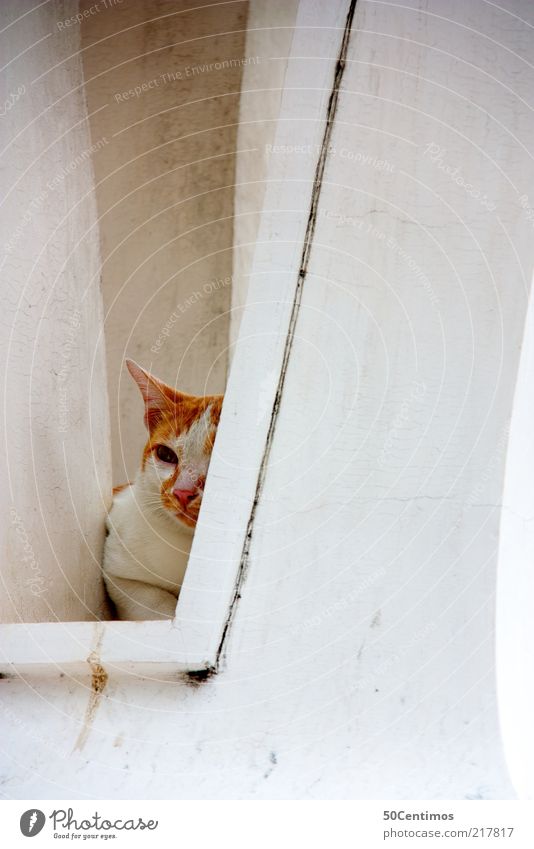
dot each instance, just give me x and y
(179, 417)
(187, 409)
(117, 489)
(168, 415)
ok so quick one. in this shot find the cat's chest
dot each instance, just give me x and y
(141, 547)
(164, 554)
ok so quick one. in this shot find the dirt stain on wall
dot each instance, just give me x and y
(99, 680)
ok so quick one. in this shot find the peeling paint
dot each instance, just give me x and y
(99, 680)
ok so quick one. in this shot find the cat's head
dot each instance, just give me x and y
(181, 435)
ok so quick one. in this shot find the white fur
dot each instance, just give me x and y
(190, 448)
(147, 547)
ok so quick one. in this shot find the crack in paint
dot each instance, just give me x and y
(99, 679)
(303, 270)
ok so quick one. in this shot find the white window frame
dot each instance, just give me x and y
(195, 640)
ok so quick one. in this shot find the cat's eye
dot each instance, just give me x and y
(166, 454)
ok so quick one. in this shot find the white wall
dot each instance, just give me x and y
(269, 35)
(165, 194)
(515, 586)
(55, 457)
(360, 658)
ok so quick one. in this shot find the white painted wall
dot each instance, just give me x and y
(55, 456)
(269, 35)
(515, 586)
(375, 547)
(360, 658)
(165, 194)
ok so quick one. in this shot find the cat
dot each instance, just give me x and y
(151, 522)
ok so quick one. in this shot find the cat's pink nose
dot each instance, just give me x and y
(184, 496)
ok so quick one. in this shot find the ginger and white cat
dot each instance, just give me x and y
(151, 522)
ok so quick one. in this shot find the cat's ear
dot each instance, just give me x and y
(159, 398)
